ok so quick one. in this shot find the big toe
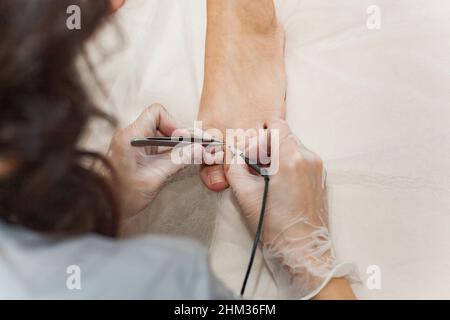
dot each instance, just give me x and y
(214, 177)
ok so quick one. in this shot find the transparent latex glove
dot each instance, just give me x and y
(143, 171)
(295, 239)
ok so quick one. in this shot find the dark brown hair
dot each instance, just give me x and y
(44, 109)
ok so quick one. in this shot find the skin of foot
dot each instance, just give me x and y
(244, 85)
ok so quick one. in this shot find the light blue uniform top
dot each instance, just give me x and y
(153, 267)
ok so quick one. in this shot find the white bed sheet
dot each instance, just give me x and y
(373, 103)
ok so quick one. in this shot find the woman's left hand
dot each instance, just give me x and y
(143, 171)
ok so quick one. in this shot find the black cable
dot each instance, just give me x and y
(258, 230)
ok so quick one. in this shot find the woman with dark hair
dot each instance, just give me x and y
(61, 206)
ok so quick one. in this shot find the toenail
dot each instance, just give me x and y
(216, 177)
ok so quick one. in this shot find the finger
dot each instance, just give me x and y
(257, 150)
(182, 132)
(155, 118)
(282, 142)
(241, 179)
(279, 127)
(171, 162)
(212, 158)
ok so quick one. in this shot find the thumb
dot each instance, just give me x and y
(242, 180)
(171, 162)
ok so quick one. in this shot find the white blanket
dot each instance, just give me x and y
(373, 103)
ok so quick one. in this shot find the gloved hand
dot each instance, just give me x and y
(143, 171)
(295, 239)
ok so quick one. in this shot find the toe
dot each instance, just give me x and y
(214, 178)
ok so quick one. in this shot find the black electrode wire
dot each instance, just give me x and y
(258, 232)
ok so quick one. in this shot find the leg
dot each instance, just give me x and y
(244, 83)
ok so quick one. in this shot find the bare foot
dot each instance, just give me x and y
(244, 84)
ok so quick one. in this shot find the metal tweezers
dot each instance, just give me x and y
(173, 142)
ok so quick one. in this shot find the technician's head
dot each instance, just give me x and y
(46, 182)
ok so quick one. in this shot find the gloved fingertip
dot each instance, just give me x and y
(192, 154)
(236, 169)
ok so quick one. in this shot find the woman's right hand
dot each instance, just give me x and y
(295, 237)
